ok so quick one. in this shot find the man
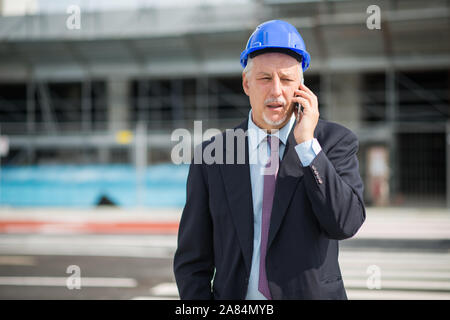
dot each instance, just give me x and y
(269, 229)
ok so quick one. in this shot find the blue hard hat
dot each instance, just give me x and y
(276, 34)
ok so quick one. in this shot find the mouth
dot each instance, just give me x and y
(275, 106)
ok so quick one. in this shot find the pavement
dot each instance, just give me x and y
(381, 223)
(399, 253)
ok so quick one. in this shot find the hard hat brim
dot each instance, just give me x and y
(305, 55)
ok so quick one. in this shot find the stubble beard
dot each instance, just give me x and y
(273, 123)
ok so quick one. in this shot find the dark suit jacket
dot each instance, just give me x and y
(313, 208)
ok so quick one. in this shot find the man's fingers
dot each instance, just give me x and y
(305, 88)
(305, 94)
(303, 101)
(311, 98)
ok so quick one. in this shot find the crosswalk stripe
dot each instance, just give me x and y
(355, 294)
(154, 298)
(166, 289)
(397, 274)
(392, 256)
(107, 251)
(62, 282)
(17, 260)
(401, 284)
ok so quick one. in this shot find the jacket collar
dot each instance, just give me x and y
(256, 135)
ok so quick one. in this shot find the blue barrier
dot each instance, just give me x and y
(84, 185)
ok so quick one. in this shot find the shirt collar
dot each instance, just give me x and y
(256, 134)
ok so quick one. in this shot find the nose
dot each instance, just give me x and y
(276, 87)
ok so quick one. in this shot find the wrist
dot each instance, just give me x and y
(301, 139)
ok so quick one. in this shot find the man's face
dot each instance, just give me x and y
(270, 85)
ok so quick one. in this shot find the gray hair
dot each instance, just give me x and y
(249, 66)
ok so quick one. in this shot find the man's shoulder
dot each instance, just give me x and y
(329, 132)
(331, 126)
(220, 138)
(325, 130)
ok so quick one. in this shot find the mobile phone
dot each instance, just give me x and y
(296, 104)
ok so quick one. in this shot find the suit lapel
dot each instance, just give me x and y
(238, 189)
(289, 175)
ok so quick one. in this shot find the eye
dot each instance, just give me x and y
(287, 79)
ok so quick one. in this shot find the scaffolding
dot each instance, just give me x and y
(70, 93)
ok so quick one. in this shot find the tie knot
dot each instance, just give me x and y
(273, 142)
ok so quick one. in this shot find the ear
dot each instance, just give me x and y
(245, 83)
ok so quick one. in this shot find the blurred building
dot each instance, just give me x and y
(77, 91)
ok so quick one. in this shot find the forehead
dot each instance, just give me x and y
(274, 61)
